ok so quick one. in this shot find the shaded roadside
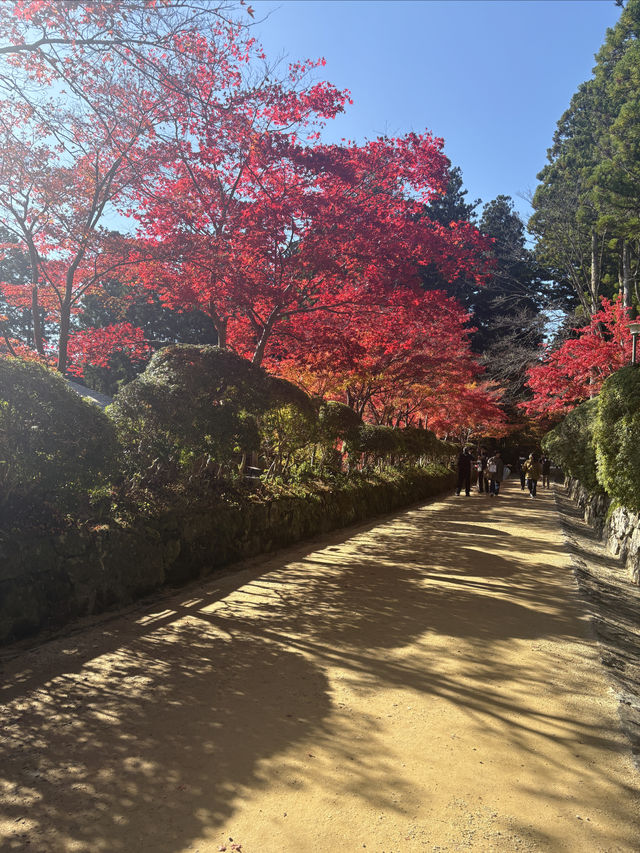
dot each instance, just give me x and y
(613, 603)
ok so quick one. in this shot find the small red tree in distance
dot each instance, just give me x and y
(576, 370)
(404, 359)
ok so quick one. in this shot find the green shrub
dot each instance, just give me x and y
(617, 436)
(571, 444)
(385, 444)
(198, 405)
(337, 422)
(288, 433)
(445, 450)
(54, 446)
(418, 443)
(379, 441)
(191, 403)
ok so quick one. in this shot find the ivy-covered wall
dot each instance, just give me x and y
(598, 446)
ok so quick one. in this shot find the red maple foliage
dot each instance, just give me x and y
(86, 89)
(402, 358)
(576, 370)
(305, 256)
(293, 229)
(96, 346)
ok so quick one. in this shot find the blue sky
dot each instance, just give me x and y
(492, 77)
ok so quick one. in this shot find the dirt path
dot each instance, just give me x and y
(429, 683)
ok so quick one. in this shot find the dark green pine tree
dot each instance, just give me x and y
(451, 207)
(508, 310)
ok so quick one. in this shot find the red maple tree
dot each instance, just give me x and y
(86, 91)
(576, 370)
(402, 358)
(292, 229)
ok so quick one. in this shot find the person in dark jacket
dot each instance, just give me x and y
(521, 460)
(465, 461)
(545, 464)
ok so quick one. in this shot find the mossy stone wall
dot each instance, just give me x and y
(49, 581)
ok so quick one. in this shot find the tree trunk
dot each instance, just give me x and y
(626, 274)
(221, 331)
(595, 272)
(37, 325)
(264, 338)
(38, 339)
(63, 336)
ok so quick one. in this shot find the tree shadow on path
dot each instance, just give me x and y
(146, 731)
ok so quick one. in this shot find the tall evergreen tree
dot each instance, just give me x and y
(587, 207)
(452, 207)
(507, 310)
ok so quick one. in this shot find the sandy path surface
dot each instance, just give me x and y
(427, 683)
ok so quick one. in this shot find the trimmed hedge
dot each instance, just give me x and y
(197, 409)
(54, 446)
(190, 402)
(598, 443)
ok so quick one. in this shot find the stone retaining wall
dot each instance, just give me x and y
(48, 581)
(618, 527)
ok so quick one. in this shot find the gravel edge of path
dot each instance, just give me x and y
(612, 603)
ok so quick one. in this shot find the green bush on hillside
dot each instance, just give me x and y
(54, 446)
(422, 443)
(617, 436)
(571, 444)
(337, 422)
(200, 407)
(191, 404)
(288, 427)
(377, 441)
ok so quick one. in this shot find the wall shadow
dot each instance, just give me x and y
(613, 602)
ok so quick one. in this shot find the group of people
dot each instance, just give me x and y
(490, 471)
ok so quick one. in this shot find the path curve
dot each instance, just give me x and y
(425, 683)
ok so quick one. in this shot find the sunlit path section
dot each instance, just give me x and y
(428, 682)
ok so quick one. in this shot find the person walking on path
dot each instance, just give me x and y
(521, 460)
(495, 469)
(532, 470)
(481, 468)
(465, 461)
(545, 464)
